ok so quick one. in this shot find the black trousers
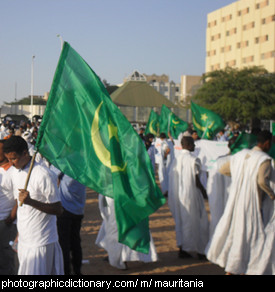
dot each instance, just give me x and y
(69, 225)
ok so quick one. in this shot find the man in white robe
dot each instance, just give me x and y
(39, 252)
(163, 163)
(186, 201)
(218, 187)
(244, 239)
(151, 149)
(7, 216)
(107, 238)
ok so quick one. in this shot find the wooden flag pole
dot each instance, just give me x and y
(29, 174)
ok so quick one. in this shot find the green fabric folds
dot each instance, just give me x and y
(153, 124)
(85, 135)
(176, 125)
(206, 122)
(169, 122)
(243, 141)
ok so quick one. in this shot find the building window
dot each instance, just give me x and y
(262, 4)
(243, 12)
(248, 59)
(261, 39)
(268, 55)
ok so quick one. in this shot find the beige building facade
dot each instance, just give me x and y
(240, 35)
(189, 85)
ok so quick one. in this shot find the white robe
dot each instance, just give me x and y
(187, 205)
(39, 252)
(107, 239)
(218, 186)
(163, 167)
(242, 243)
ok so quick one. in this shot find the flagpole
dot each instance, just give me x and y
(168, 130)
(205, 130)
(29, 174)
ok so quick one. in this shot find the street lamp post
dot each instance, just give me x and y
(61, 40)
(32, 87)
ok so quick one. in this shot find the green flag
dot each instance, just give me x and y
(176, 125)
(169, 122)
(164, 119)
(84, 134)
(244, 140)
(206, 122)
(153, 124)
(273, 128)
(271, 152)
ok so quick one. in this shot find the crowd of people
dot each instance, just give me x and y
(41, 214)
(239, 234)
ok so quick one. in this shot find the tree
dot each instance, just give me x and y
(27, 101)
(243, 95)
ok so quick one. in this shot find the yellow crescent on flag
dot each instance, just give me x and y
(102, 153)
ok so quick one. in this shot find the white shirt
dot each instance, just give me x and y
(36, 228)
(7, 201)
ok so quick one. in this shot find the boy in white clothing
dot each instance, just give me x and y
(39, 252)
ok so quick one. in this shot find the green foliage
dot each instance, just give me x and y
(239, 95)
(27, 101)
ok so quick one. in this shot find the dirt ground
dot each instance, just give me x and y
(162, 227)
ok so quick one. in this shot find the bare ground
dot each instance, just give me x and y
(162, 227)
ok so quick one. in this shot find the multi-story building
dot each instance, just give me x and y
(189, 85)
(178, 93)
(240, 35)
(161, 83)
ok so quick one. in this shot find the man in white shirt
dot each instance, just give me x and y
(39, 252)
(7, 216)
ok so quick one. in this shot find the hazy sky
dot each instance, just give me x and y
(115, 37)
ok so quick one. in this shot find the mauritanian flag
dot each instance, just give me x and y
(243, 141)
(84, 134)
(206, 122)
(177, 125)
(164, 119)
(248, 141)
(169, 122)
(153, 124)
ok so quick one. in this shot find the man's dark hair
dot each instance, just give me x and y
(149, 135)
(186, 141)
(263, 136)
(232, 141)
(162, 135)
(15, 144)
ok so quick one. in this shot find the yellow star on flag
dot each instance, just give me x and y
(112, 131)
(204, 117)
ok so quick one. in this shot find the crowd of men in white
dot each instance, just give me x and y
(238, 234)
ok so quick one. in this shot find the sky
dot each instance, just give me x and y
(115, 37)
